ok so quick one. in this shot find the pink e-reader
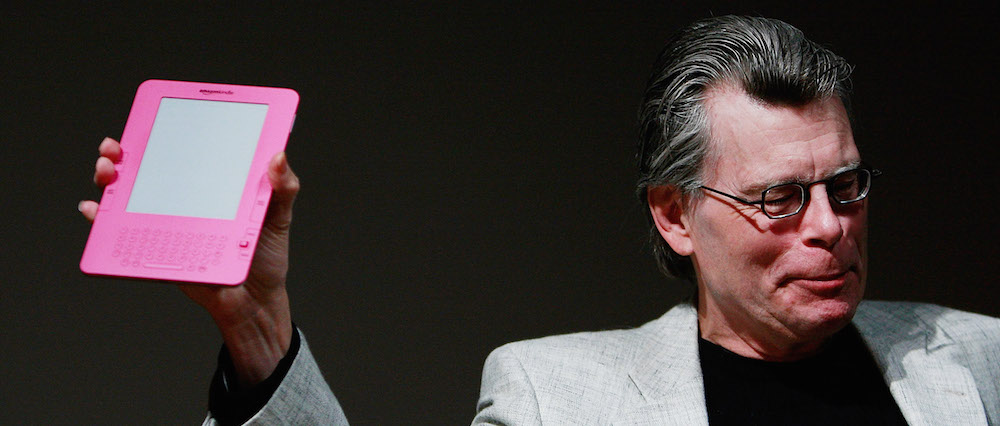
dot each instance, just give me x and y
(191, 189)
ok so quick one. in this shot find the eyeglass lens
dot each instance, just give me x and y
(788, 199)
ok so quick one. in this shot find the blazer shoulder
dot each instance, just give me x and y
(580, 377)
(959, 326)
(607, 348)
(898, 325)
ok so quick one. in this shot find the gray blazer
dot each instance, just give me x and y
(942, 367)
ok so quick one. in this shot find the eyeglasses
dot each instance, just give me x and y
(787, 199)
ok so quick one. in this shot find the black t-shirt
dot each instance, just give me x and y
(842, 385)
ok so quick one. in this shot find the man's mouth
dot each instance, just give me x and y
(826, 284)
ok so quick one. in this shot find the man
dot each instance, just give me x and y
(757, 195)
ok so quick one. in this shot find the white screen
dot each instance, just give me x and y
(197, 158)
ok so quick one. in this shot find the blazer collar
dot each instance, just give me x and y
(918, 361)
(667, 372)
(916, 358)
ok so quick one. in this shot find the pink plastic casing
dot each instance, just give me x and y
(176, 248)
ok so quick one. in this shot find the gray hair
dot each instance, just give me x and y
(768, 59)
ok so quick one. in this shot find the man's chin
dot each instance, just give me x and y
(824, 307)
(826, 317)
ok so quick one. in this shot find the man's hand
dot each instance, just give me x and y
(254, 317)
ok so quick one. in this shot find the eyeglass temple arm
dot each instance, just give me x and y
(752, 203)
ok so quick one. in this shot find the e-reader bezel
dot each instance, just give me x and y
(214, 251)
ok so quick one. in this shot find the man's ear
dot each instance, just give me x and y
(667, 208)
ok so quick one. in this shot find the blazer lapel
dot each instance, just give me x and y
(668, 373)
(917, 361)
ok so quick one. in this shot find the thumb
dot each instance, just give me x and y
(285, 185)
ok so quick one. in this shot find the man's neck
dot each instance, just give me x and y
(747, 338)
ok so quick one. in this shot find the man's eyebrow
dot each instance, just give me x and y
(850, 166)
(758, 187)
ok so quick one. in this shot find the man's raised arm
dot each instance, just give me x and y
(254, 317)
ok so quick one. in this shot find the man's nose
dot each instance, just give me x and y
(820, 224)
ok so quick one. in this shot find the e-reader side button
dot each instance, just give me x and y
(258, 211)
(247, 243)
(260, 201)
(108, 198)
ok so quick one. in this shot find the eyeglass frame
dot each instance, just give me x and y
(804, 190)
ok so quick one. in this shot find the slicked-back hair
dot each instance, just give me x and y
(768, 59)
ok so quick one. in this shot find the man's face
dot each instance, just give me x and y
(777, 286)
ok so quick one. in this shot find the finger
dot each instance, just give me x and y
(104, 171)
(285, 185)
(111, 149)
(88, 209)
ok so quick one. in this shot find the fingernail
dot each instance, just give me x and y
(283, 162)
(79, 206)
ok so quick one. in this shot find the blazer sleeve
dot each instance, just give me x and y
(303, 397)
(506, 395)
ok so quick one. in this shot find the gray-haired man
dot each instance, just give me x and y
(757, 196)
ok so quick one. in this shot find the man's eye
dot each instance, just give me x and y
(777, 201)
(781, 196)
(845, 183)
(846, 188)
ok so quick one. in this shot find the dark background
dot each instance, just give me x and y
(467, 181)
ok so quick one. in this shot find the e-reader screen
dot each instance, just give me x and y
(197, 158)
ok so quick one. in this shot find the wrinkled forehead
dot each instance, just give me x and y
(754, 144)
